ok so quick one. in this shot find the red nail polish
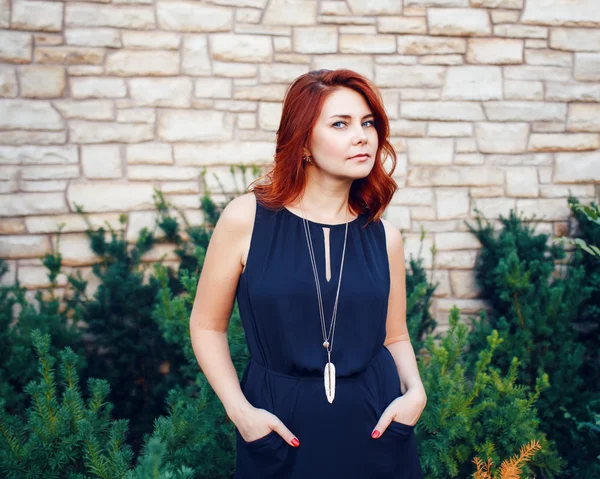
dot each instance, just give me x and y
(295, 442)
(375, 434)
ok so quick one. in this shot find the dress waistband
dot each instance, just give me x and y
(354, 377)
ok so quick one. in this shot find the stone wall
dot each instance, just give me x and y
(494, 104)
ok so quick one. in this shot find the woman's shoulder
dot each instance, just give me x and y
(239, 213)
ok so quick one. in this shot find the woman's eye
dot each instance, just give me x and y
(372, 123)
(338, 122)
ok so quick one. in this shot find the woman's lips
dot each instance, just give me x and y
(360, 157)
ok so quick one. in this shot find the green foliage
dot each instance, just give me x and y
(535, 302)
(474, 409)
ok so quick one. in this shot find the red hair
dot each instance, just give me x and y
(301, 108)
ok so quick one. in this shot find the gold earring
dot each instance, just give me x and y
(307, 158)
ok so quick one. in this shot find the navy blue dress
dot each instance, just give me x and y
(279, 311)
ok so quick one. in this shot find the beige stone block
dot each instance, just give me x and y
(452, 203)
(575, 39)
(449, 129)
(49, 172)
(399, 216)
(24, 204)
(290, 12)
(505, 16)
(456, 176)
(235, 105)
(584, 117)
(76, 250)
(36, 277)
(94, 15)
(533, 159)
(536, 43)
(138, 220)
(441, 60)
(453, 241)
(430, 151)
(492, 208)
(282, 44)
(22, 137)
(442, 111)
(269, 115)
(196, 60)
(433, 3)
(548, 209)
(406, 25)
(409, 76)
(47, 39)
(42, 186)
(8, 82)
(161, 92)
(263, 30)
(441, 279)
(517, 4)
(522, 182)
(559, 91)
(151, 40)
(415, 246)
(139, 63)
(525, 111)
(28, 155)
(71, 222)
(93, 37)
(425, 45)
(23, 246)
(564, 142)
(413, 197)
(523, 90)
(4, 22)
(466, 145)
(15, 47)
(581, 167)
(558, 12)
(391, 99)
(487, 192)
(37, 15)
(464, 285)
(8, 173)
(458, 22)
(161, 172)
(456, 259)
(235, 70)
(273, 92)
(29, 114)
(419, 94)
(86, 109)
(100, 132)
(548, 57)
(241, 48)
(247, 15)
(520, 31)
(495, 51)
(136, 115)
(213, 88)
(383, 7)
(406, 128)
(564, 191)
(362, 64)
(398, 59)
(85, 70)
(473, 83)
(103, 196)
(174, 125)
(69, 55)
(39, 81)
(193, 17)
(587, 67)
(101, 161)
(281, 72)
(548, 127)
(226, 153)
(469, 159)
(246, 121)
(150, 153)
(321, 39)
(367, 43)
(422, 213)
(334, 8)
(537, 72)
(98, 88)
(180, 187)
(502, 137)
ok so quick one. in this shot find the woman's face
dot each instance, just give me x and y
(345, 128)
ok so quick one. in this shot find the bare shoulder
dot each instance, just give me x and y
(393, 237)
(239, 213)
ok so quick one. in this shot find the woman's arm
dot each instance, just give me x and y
(214, 302)
(397, 337)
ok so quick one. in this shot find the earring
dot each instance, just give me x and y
(307, 158)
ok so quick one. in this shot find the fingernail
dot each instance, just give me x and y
(375, 434)
(295, 442)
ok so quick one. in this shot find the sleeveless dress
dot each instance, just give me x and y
(279, 311)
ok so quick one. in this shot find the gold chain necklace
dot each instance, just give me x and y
(329, 372)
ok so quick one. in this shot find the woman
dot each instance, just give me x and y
(332, 389)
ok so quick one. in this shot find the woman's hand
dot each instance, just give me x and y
(405, 409)
(255, 423)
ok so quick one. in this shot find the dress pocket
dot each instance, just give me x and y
(400, 430)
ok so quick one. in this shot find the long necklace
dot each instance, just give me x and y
(329, 372)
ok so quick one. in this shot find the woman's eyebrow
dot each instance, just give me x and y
(350, 116)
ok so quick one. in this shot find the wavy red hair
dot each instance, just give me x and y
(301, 108)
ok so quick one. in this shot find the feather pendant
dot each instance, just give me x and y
(330, 381)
